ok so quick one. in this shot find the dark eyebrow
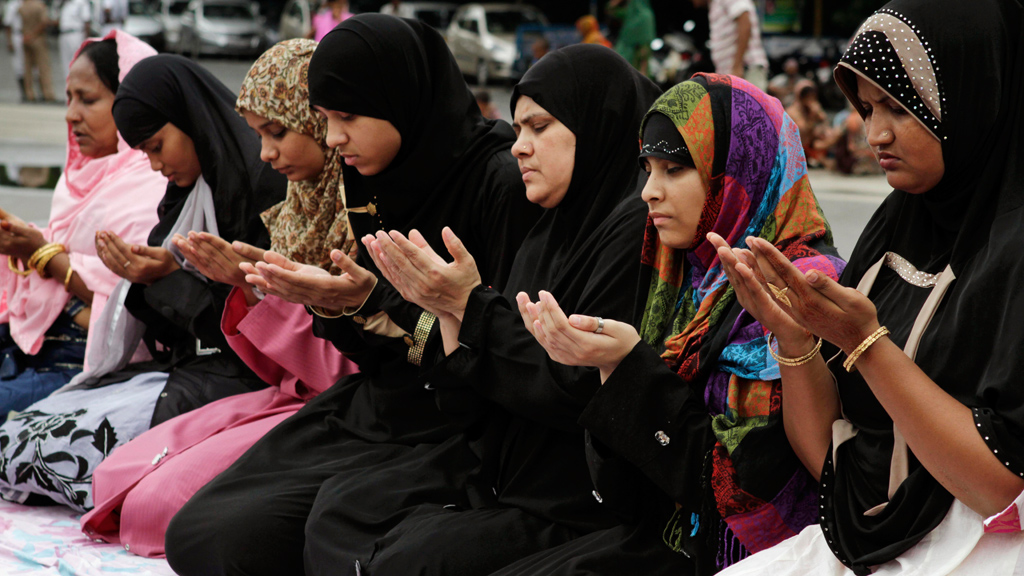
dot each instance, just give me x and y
(529, 118)
(265, 124)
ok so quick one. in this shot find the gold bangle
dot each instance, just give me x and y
(13, 265)
(41, 257)
(793, 361)
(67, 278)
(848, 363)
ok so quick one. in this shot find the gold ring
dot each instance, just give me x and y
(780, 293)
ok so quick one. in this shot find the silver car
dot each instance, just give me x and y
(482, 37)
(222, 27)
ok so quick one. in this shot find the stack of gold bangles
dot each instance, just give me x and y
(848, 363)
(41, 257)
(38, 261)
(800, 361)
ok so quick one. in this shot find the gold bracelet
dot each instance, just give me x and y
(13, 265)
(793, 361)
(848, 364)
(67, 278)
(41, 257)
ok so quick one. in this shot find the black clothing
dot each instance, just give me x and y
(519, 469)
(253, 517)
(971, 222)
(182, 311)
(169, 88)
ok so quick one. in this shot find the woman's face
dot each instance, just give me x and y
(294, 154)
(546, 151)
(367, 144)
(172, 153)
(88, 113)
(904, 148)
(675, 198)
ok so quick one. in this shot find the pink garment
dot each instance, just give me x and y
(118, 192)
(139, 488)
(324, 22)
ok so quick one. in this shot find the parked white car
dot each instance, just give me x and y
(482, 37)
(222, 27)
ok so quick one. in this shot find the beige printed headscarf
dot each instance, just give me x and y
(312, 220)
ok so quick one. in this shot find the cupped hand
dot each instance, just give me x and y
(17, 238)
(819, 304)
(311, 285)
(573, 340)
(214, 257)
(423, 277)
(135, 263)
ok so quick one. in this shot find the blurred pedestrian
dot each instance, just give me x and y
(590, 31)
(110, 15)
(487, 108)
(539, 48)
(12, 27)
(735, 41)
(783, 86)
(75, 24)
(637, 33)
(396, 8)
(333, 13)
(34, 21)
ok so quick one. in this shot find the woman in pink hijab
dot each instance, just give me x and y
(54, 283)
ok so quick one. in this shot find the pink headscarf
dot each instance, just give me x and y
(118, 192)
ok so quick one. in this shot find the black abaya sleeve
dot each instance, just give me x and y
(646, 414)
(502, 361)
(181, 307)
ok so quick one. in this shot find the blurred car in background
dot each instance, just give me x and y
(144, 23)
(482, 37)
(232, 27)
(170, 14)
(297, 18)
(437, 15)
(297, 15)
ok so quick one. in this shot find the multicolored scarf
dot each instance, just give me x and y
(748, 153)
(311, 220)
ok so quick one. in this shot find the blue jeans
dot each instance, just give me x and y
(26, 379)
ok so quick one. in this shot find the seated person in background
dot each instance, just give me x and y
(783, 86)
(815, 133)
(55, 285)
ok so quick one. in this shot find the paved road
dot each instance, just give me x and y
(34, 135)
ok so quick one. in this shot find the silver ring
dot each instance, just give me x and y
(600, 325)
(126, 264)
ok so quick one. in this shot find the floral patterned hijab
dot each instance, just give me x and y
(311, 220)
(748, 153)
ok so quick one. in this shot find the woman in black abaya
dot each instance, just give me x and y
(919, 444)
(428, 160)
(577, 113)
(182, 116)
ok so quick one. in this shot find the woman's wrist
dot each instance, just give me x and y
(794, 344)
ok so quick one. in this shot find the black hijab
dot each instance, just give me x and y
(601, 99)
(973, 71)
(401, 71)
(168, 88)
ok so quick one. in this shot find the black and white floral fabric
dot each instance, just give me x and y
(53, 446)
